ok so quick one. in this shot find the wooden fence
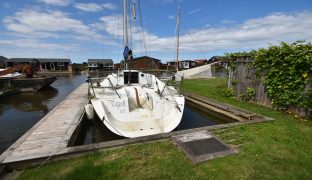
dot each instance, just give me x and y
(244, 77)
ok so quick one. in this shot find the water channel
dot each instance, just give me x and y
(19, 112)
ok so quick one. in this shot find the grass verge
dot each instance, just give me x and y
(280, 149)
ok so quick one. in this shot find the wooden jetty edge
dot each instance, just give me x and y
(52, 133)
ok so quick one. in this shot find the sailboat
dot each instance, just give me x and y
(133, 104)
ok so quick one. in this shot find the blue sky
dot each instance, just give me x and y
(82, 29)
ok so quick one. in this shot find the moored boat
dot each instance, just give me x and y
(33, 84)
(11, 81)
(132, 103)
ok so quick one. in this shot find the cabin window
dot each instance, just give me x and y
(131, 77)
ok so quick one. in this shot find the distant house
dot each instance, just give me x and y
(185, 64)
(117, 66)
(100, 64)
(53, 64)
(224, 61)
(143, 63)
(200, 62)
(3, 61)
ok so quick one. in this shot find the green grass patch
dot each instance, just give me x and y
(279, 149)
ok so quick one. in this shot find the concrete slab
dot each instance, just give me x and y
(202, 146)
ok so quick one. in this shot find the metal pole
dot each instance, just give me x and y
(125, 22)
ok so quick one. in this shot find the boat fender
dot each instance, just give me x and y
(89, 111)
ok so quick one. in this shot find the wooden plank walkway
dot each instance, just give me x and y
(52, 133)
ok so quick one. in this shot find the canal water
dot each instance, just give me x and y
(20, 112)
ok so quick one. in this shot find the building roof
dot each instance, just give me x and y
(2, 58)
(39, 59)
(147, 57)
(200, 61)
(100, 61)
(219, 58)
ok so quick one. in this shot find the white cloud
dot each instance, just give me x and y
(227, 21)
(194, 11)
(167, 1)
(109, 6)
(36, 44)
(88, 7)
(46, 24)
(56, 2)
(28, 47)
(251, 34)
(171, 17)
(93, 7)
(6, 5)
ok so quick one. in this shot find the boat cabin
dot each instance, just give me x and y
(128, 77)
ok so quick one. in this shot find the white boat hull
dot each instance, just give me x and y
(143, 108)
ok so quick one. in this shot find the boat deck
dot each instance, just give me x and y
(51, 134)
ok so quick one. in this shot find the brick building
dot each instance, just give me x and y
(141, 63)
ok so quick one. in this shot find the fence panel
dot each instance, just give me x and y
(244, 76)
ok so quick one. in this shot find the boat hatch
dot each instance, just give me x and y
(131, 77)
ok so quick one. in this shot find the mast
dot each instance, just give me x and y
(178, 39)
(127, 51)
(125, 30)
(125, 23)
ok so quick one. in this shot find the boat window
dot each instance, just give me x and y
(134, 77)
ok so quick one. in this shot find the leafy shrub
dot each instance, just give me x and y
(228, 92)
(287, 72)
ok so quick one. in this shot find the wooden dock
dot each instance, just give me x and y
(52, 133)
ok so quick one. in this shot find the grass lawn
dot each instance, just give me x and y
(280, 149)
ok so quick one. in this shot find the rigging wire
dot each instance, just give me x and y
(178, 38)
(102, 29)
(118, 33)
(142, 28)
(130, 25)
(199, 49)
